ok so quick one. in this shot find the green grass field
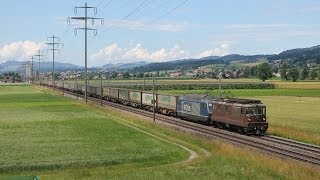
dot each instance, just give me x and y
(40, 131)
(57, 138)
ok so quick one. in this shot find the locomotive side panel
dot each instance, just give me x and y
(228, 114)
(194, 111)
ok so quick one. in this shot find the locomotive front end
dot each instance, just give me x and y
(256, 119)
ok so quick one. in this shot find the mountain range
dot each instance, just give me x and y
(44, 66)
(298, 56)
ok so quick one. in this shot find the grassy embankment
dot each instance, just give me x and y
(58, 138)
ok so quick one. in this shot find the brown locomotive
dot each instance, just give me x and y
(242, 115)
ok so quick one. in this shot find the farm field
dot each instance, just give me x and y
(304, 85)
(57, 138)
(40, 131)
(292, 113)
(169, 81)
(297, 85)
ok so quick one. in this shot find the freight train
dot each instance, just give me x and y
(241, 115)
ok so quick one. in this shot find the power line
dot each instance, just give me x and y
(128, 15)
(85, 18)
(108, 3)
(101, 1)
(181, 4)
(40, 57)
(53, 44)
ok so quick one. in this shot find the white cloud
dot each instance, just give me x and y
(115, 54)
(20, 50)
(223, 50)
(110, 53)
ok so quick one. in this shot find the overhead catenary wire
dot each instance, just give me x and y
(128, 15)
(170, 11)
(104, 7)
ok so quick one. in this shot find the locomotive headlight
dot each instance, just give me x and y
(249, 119)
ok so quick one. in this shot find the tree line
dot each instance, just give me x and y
(10, 77)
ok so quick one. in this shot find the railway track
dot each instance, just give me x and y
(270, 144)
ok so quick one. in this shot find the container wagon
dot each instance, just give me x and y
(167, 104)
(147, 101)
(135, 99)
(124, 96)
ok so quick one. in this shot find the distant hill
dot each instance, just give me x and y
(294, 57)
(124, 65)
(195, 63)
(299, 56)
(45, 66)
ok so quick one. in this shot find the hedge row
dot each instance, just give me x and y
(203, 86)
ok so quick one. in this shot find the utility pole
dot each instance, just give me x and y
(54, 45)
(101, 90)
(144, 83)
(39, 55)
(85, 19)
(153, 99)
(220, 76)
(32, 59)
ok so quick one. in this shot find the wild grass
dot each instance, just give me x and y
(294, 117)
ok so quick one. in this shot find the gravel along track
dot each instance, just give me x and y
(270, 144)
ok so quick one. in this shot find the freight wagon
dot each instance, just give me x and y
(167, 104)
(147, 101)
(124, 96)
(135, 98)
(110, 94)
(92, 91)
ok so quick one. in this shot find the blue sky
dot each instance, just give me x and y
(196, 29)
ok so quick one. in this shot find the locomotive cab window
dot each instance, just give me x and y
(210, 107)
(256, 111)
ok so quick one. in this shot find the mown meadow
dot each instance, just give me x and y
(45, 134)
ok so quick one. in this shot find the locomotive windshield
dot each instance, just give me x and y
(256, 111)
